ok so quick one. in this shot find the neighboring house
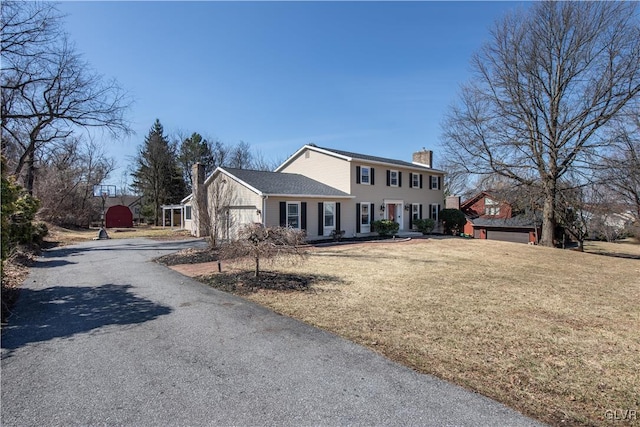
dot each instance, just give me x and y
(488, 217)
(319, 190)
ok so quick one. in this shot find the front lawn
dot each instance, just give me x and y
(552, 333)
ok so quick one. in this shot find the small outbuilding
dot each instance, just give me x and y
(119, 216)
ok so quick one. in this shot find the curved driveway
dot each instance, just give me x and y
(101, 335)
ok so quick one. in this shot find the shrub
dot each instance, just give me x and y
(18, 211)
(453, 220)
(425, 226)
(386, 227)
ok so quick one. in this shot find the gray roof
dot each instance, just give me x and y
(515, 222)
(373, 158)
(280, 183)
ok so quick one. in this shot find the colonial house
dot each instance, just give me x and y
(489, 217)
(319, 190)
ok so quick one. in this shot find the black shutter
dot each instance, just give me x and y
(421, 211)
(338, 227)
(320, 219)
(439, 183)
(283, 214)
(372, 178)
(357, 174)
(371, 213)
(388, 178)
(303, 214)
(410, 180)
(420, 182)
(357, 217)
(410, 216)
(399, 179)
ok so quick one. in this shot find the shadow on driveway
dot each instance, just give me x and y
(60, 311)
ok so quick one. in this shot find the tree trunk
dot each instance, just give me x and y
(548, 220)
(257, 272)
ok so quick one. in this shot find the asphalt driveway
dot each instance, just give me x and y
(101, 335)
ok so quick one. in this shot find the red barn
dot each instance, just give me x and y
(119, 216)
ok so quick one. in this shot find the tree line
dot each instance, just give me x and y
(163, 167)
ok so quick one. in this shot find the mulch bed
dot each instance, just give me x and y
(189, 256)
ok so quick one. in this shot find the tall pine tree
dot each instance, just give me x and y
(195, 149)
(158, 177)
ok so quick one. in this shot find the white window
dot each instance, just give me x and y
(187, 212)
(393, 178)
(434, 182)
(415, 211)
(329, 218)
(364, 175)
(364, 217)
(293, 215)
(416, 180)
(329, 215)
(491, 207)
(434, 210)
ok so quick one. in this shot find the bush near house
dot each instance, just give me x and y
(453, 220)
(386, 227)
(425, 225)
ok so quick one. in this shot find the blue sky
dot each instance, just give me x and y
(369, 77)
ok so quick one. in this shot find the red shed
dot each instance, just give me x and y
(119, 216)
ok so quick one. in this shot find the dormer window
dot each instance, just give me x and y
(491, 207)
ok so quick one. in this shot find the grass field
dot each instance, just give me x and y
(551, 333)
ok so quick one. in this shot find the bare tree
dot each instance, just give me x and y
(621, 171)
(48, 90)
(65, 181)
(545, 84)
(275, 244)
(220, 201)
(240, 156)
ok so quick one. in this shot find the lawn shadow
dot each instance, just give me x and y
(245, 282)
(63, 311)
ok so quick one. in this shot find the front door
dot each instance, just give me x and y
(393, 212)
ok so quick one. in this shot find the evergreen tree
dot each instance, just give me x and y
(158, 177)
(195, 149)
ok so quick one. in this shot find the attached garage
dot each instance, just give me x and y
(520, 236)
(119, 216)
(517, 230)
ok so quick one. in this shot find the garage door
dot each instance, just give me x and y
(509, 236)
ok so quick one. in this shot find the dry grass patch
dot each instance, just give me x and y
(551, 333)
(66, 236)
(628, 248)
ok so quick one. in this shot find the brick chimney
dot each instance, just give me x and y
(200, 213)
(452, 202)
(423, 158)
